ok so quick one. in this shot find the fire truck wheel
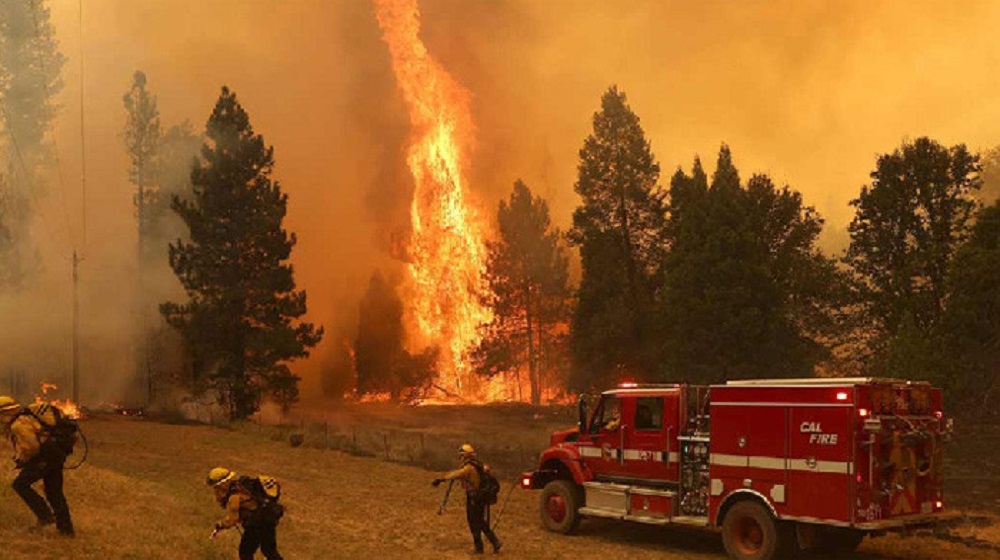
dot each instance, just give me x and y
(559, 504)
(749, 532)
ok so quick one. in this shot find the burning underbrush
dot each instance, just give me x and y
(67, 407)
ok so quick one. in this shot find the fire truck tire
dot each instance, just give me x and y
(560, 504)
(750, 532)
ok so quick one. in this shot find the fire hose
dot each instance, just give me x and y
(503, 506)
(86, 452)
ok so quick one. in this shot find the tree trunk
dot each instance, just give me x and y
(532, 358)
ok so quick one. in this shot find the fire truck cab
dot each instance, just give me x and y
(776, 465)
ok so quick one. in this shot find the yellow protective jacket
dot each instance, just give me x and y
(238, 505)
(27, 434)
(467, 474)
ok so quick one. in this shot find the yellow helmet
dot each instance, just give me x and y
(8, 404)
(218, 475)
(466, 450)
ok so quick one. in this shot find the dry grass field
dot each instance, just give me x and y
(142, 496)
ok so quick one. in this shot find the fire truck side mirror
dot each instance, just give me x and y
(949, 428)
(582, 413)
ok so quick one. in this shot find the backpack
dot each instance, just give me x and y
(489, 486)
(266, 491)
(63, 434)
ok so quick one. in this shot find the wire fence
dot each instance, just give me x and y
(507, 456)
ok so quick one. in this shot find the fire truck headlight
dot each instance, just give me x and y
(939, 505)
(863, 412)
(526, 482)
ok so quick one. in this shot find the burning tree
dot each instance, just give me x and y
(527, 270)
(241, 321)
(446, 253)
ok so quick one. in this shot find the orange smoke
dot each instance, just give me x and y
(446, 254)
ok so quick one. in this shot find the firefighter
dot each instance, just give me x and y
(39, 456)
(477, 511)
(259, 520)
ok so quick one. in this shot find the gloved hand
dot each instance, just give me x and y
(437, 482)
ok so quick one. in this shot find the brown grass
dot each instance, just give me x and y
(142, 496)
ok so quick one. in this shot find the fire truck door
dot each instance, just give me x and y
(651, 437)
(602, 449)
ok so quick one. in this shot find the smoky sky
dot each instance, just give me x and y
(809, 92)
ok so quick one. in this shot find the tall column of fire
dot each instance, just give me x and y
(446, 250)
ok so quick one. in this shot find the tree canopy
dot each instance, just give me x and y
(908, 224)
(619, 229)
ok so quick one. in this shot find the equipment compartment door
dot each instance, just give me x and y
(820, 462)
(748, 442)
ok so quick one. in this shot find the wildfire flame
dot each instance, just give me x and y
(446, 251)
(66, 406)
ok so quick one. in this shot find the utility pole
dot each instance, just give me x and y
(76, 329)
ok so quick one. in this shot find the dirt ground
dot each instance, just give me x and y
(142, 496)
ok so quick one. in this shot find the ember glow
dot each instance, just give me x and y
(446, 254)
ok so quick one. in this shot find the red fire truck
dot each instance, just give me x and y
(776, 465)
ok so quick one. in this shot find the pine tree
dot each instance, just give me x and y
(619, 228)
(908, 224)
(142, 137)
(527, 270)
(747, 293)
(242, 319)
(30, 66)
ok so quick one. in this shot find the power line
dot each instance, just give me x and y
(83, 138)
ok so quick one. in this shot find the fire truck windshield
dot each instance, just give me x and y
(608, 415)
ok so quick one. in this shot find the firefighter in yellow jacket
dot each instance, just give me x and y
(476, 509)
(39, 456)
(250, 503)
